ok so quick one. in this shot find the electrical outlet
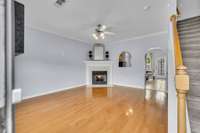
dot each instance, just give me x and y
(16, 95)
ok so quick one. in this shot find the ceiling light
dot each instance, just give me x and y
(102, 35)
(95, 36)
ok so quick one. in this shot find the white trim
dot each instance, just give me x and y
(130, 86)
(108, 85)
(111, 42)
(2, 102)
(99, 66)
(52, 91)
(54, 33)
(140, 37)
(75, 86)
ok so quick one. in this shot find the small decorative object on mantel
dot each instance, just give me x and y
(107, 55)
(90, 55)
(99, 51)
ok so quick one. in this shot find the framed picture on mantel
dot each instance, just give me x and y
(99, 51)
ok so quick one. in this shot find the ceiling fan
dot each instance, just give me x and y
(101, 31)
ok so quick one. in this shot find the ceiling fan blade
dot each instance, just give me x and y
(109, 33)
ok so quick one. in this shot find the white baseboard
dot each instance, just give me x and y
(110, 85)
(52, 91)
(131, 86)
(72, 87)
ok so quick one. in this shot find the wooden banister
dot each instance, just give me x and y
(177, 48)
(182, 79)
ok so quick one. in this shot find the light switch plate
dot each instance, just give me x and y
(17, 95)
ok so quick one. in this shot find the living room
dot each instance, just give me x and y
(99, 50)
(91, 66)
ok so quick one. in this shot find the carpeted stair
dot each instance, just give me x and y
(189, 31)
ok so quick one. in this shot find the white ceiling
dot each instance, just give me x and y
(76, 19)
(189, 8)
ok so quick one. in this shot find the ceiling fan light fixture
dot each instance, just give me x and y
(102, 35)
(103, 27)
(59, 3)
(100, 32)
(95, 36)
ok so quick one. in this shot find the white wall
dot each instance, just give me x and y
(134, 76)
(172, 100)
(189, 8)
(49, 63)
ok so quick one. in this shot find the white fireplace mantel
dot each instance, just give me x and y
(99, 66)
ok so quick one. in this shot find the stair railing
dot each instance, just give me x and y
(182, 79)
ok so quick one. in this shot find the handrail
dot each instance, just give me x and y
(177, 48)
(182, 79)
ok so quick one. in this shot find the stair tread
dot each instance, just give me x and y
(196, 122)
(190, 35)
(190, 48)
(194, 71)
(188, 23)
(191, 45)
(191, 53)
(188, 28)
(190, 41)
(196, 31)
(193, 98)
(189, 31)
(189, 20)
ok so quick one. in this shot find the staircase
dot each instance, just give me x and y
(189, 32)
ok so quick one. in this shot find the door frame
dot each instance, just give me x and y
(9, 65)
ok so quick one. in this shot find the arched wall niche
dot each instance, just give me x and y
(125, 59)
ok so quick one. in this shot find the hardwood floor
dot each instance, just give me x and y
(94, 110)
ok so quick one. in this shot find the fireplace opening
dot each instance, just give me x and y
(99, 77)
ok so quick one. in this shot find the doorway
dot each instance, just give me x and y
(155, 72)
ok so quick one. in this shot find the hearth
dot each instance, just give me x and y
(99, 77)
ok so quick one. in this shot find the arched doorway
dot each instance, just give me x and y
(155, 71)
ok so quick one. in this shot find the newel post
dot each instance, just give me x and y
(182, 88)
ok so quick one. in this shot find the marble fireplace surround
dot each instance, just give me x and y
(99, 66)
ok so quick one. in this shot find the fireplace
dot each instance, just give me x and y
(99, 77)
(99, 73)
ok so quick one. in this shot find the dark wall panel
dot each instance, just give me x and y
(19, 28)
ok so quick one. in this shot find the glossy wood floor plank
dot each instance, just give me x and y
(94, 110)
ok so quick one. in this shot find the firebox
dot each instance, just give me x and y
(99, 77)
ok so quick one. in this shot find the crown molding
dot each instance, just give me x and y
(56, 34)
(90, 43)
(139, 37)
